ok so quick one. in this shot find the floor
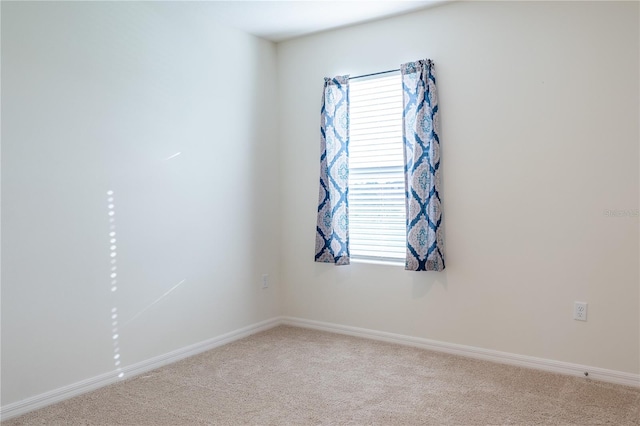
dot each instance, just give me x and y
(296, 376)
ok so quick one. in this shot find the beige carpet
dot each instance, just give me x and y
(294, 376)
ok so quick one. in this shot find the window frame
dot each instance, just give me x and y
(360, 100)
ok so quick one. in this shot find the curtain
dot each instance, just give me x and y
(425, 242)
(332, 228)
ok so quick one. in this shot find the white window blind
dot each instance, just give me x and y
(377, 228)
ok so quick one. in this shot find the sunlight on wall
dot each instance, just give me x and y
(114, 281)
(155, 301)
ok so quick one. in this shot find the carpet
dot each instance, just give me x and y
(296, 376)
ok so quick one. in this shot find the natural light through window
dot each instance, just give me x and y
(377, 228)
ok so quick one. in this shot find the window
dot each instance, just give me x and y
(377, 216)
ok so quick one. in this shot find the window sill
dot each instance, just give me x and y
(378, 261)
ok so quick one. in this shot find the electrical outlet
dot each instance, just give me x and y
(580, 311)
(265, 280)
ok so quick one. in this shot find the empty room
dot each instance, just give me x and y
(320, 212)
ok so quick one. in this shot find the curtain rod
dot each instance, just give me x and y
(372, 74)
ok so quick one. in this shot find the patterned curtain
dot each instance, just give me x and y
(332, 229)
(421, 126)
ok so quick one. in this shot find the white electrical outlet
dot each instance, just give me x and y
(265, 280)
(580, 311)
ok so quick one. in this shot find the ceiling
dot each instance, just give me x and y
(281, 20)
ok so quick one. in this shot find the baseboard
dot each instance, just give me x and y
(595, 373)
(39, 401)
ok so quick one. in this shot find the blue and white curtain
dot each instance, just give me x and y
(421, 128)
(332, 229)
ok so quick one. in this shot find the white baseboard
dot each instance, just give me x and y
(595, 373)
(39, 401)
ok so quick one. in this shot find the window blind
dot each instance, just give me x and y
(377, 217)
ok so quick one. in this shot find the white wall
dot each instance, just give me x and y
(539, 107)
(95, 97)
